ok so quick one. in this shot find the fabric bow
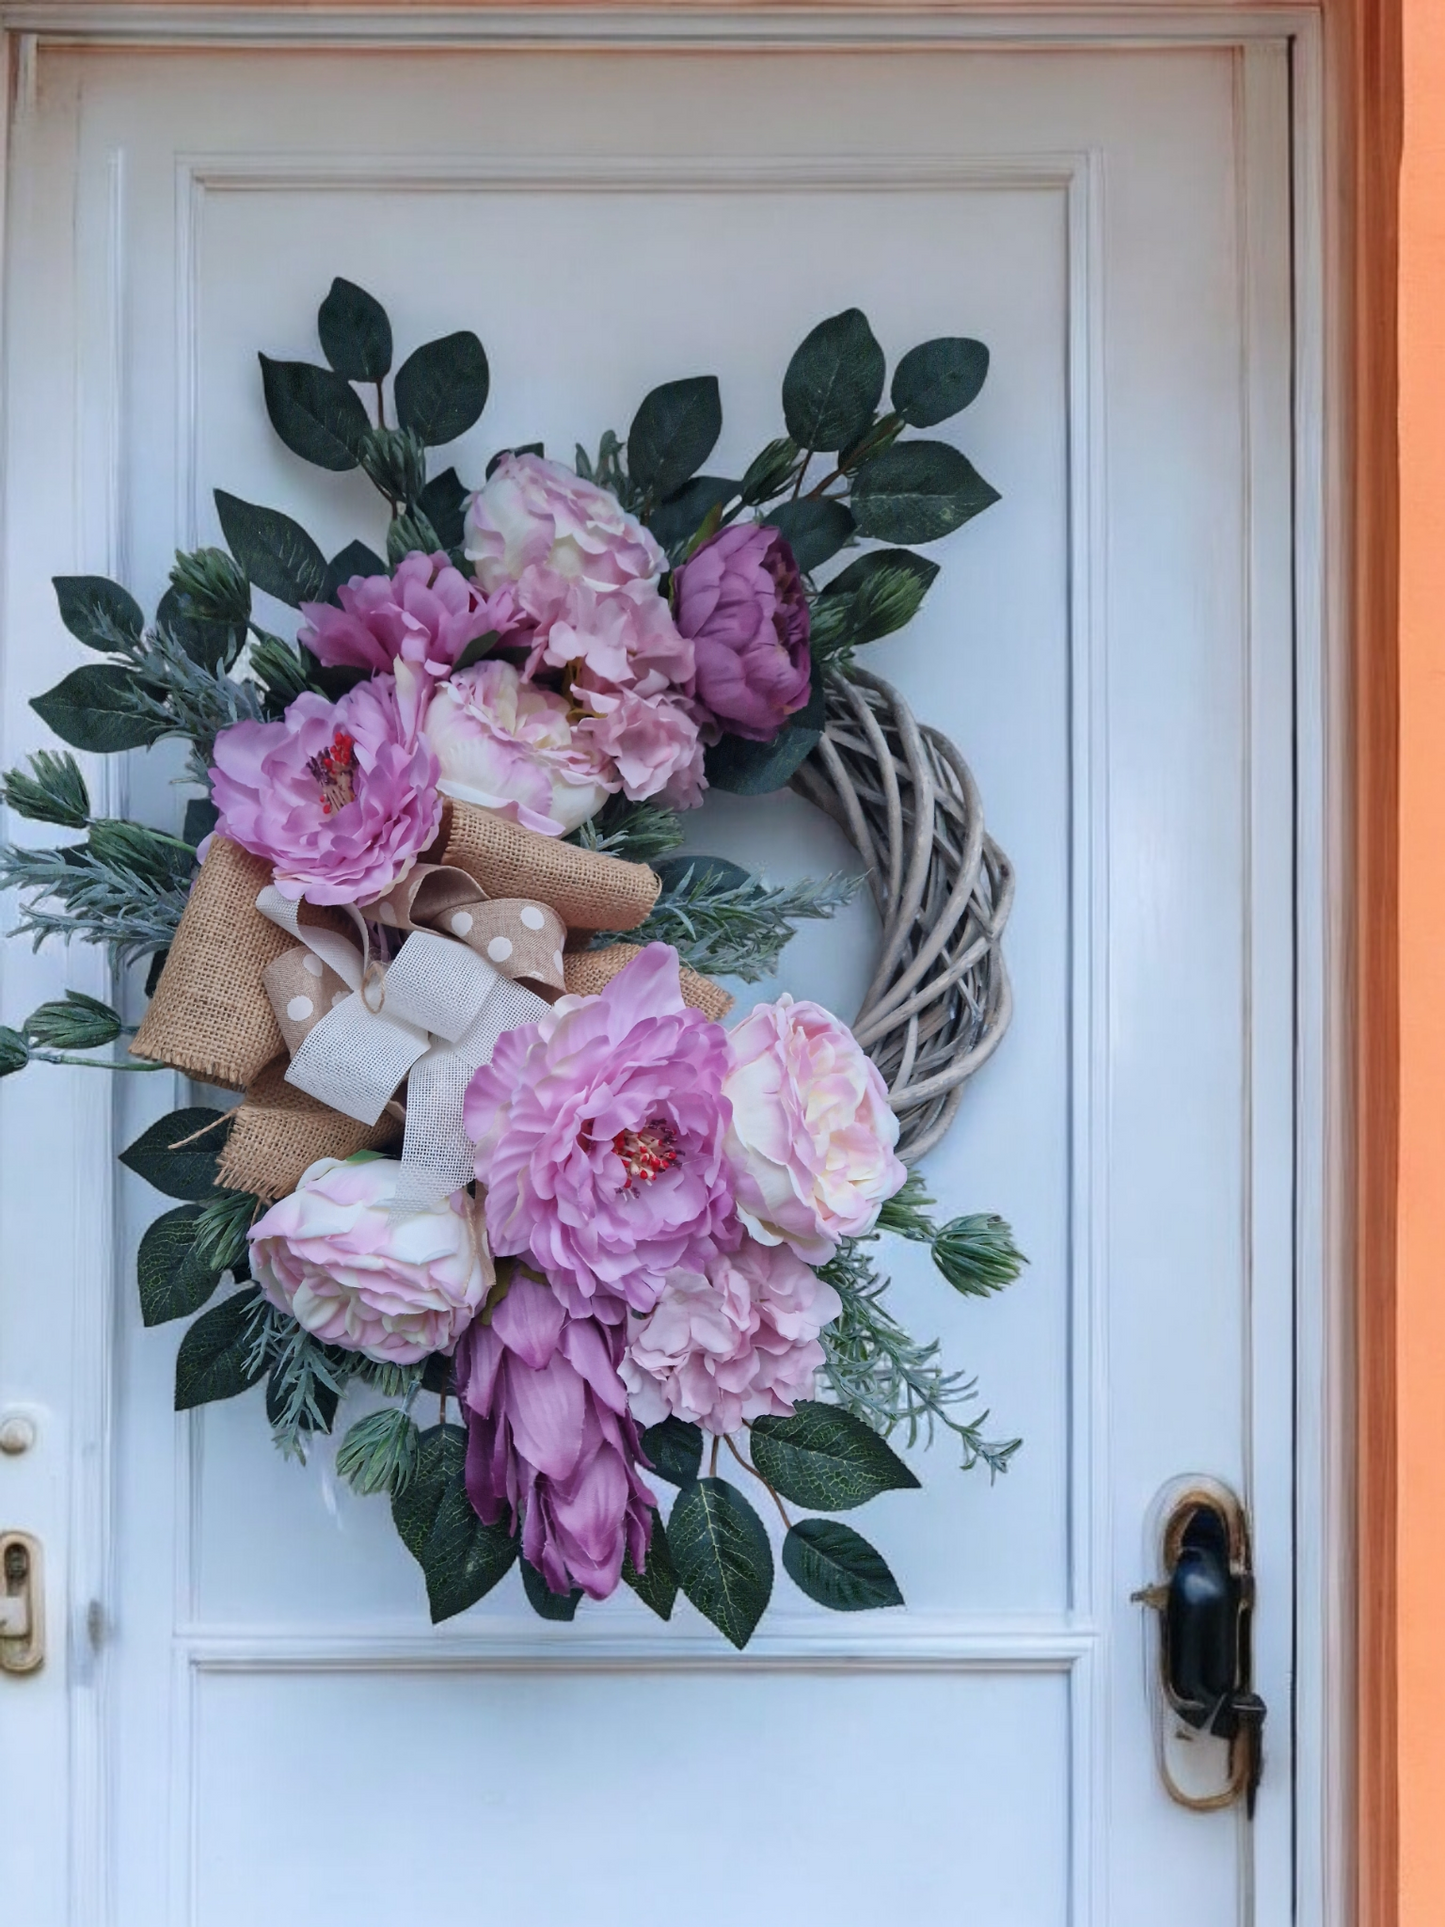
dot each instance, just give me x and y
(356, 1027)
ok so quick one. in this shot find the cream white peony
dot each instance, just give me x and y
(812, 1133)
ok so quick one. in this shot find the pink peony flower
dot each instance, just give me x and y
(651, 742)
(340, 797)
(738, 1341)
(740, 600)
(536, 514)
(509, 746)
(550, 1441)
(599, 1134)
(397, 1289)
(425, 614)
(811, 1134)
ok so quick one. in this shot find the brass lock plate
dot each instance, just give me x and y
(22, 1603)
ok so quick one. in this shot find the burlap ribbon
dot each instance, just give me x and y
(219, 1012)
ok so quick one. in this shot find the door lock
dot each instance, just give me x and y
(1209, 1721)
(22, 1604)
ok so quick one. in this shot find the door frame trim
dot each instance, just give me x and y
(1347, 1120)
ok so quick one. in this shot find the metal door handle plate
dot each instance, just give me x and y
(22, 1605)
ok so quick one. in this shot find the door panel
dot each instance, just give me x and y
(271, 1712)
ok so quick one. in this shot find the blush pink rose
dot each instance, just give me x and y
(509, 746)
(340, 798)
(536, 514)
(811, 1134)
(735, 1342)
(396, 1288)
(599, 1135)
(425, 614)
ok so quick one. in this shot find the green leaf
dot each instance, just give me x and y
(173, 1281)
(79, 1023)
(200, 819)
(276, 553)
(814, 527)
(379, 1453)
(52, 790)
(722, 1558)
(98, 612)
(324, 1399)
(443, 502)
(316, 413)
(757, 769)
(217, 1358)
(14, 1051)
(475, 651)
(977, 1254)
(707, 873)
(875, 595)
(679, 518)
(917, 492)
(836, 1566)
(355, 333)
(833, 382)
(207, 639)
(91, 709)
(826, 1459)
(355, 559)
(461, 1559)
(656, 1584)
(672, 434)
(180, 1170)
(408, 532)
(543, 1601)
(938, 378)
(442, 387)
(769, 472)
(674, 1450)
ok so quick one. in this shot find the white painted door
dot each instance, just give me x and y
(245, 1714)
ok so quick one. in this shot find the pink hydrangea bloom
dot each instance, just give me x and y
(737, 1341)
(599, 1134)
(511, 747)
(425, 614)
(340, 798)
(550, 1441)
(396, 1288)
(651, 742)
(536, 514)
(811, 1132)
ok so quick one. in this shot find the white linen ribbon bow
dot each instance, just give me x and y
(432, 1016)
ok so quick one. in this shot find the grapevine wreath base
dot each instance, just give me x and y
(495, 1143)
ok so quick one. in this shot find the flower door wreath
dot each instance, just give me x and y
(494, 1145)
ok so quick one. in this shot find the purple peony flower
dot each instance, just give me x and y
(740, 601)
(738, 1341)
(397, 1288)
(341, 798)
(550, 1441)
(599, 1134)
(425, 614)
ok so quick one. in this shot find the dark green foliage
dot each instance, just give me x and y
(814, 527)
(543, 1601)
(826, 1459)
(977, 1255)
(276, 553)
(14, 1051)
(93, 709)
(677, 520)
(77, 1023)
(833, 382)
(837, 1567)
(938, 378)
(757, 769)
(722, 1558)
(355, 333)
(872, 597)
(443, 502)
(917, 492)
(217, 1356)
(461, 1559)
(98, 612)
(173, 1278)
(174, 1158)
(52, 791)
(674, 1450)
(672, 434)
(656, 1584)
(355, 559)
(315, 411)
(441, 388)
(379, 1453)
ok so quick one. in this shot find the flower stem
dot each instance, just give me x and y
(92, 1063)
(712, 1463)
(748, 1466)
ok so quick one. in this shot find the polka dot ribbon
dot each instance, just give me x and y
(356, 1028)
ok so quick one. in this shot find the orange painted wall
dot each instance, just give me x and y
(1421, 1249)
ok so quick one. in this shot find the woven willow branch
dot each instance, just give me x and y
(940, 1000)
